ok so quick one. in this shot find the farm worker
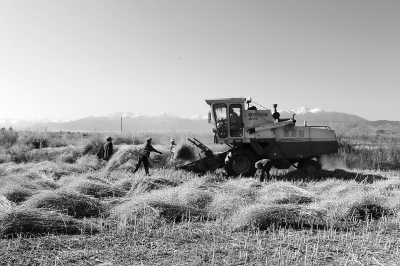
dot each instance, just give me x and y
(144, 156)
(263, 167)
(172, 145)
(108, 149)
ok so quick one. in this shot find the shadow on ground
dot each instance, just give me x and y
(339, 174)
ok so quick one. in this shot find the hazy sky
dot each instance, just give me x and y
(76, 58)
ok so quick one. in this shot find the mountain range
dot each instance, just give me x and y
(168, 122)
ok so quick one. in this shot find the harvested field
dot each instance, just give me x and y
(175, 217)
(36, 221)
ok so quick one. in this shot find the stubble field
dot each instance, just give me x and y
(60, 205)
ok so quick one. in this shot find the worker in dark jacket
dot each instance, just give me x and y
(263, 168)
(108, 149)
(144, 156)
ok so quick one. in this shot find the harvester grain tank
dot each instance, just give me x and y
(253, 134)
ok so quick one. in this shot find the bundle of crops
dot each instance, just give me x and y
(17, 193)
(124, 184)
(323, 187)
(70, 155)
(90, 162)
(96, 189)
(245, 188)
(46, 183)
(67, 202)
(124, 154)
(96, 178)
(262, 216)
(160, 160)
(173, 204)
(224, 205)
(365, 206)
(348, 188)
(355, 206)
(143, 184)
(93, 145)
(5, 204)
(390, 187)
(285, 193)
(36, 221)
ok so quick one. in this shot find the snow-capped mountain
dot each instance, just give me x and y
(27, 122)
(196, 117)
(316, 114)
(138, 115)
(161, 121)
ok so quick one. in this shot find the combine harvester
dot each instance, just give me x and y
(253, 135)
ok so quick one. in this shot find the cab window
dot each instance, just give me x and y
(221, 120)
(235, 120)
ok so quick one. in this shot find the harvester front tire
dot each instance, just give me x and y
(310, 167)
(241, 164)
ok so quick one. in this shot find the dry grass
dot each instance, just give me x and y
(263, 216)
(285, 193)
(67, 202)
(5, 205)
(36, 221)
(177, 218)
(144, 184)
(16, 193)
(96, 189)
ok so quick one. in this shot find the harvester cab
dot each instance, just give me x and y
(254, 134)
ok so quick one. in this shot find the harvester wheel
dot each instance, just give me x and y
(241, 164)
(310, 167)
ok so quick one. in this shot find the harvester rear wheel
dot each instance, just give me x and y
(241, 164)
(310, 167)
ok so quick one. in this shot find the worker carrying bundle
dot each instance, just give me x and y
(144, 156)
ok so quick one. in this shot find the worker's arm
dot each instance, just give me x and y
(152, 149)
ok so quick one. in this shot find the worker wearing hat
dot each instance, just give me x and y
(144, 156)
(108, 149)
(172, 145)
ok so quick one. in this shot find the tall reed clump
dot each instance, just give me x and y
(378, 156)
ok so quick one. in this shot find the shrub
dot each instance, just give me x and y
(8, 138)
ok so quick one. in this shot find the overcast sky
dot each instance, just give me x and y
(76, 58)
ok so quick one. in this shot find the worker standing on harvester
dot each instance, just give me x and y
(144, 156)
